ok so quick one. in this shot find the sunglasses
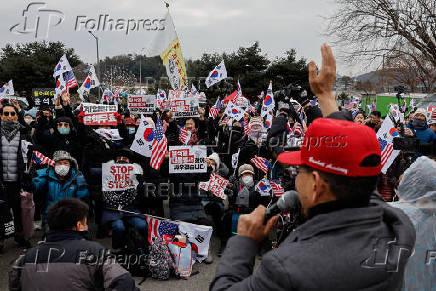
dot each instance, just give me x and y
(6, 113)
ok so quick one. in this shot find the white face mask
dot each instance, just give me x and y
(62, 170)
(247, 179)
(28, 120)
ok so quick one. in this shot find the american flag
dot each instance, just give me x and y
(261, 163)
(373, 106)
(40, 159)
(348, 104)
(185, 136)
(277, 189)
(159, 146)
(386, 153)
(214, 110)
(297, 129)
(246, 126)
(71, 80)
(160, 228)
(239, 90)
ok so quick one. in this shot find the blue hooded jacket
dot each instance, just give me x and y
(47, 184)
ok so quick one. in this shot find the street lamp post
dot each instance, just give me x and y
(98, 57)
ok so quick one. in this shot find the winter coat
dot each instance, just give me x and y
(185, 199)
(424, 135)
(21, 167)
(53, 141)
(75, 265)
(9, 155)
(417, 192)
(47, 184)
(339, 247)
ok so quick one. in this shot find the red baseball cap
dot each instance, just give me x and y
(338, 147)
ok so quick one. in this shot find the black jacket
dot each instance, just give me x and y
(66, 261)
(338, 248)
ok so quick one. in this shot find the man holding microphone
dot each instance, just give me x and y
(351, 239)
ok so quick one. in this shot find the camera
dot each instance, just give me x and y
(414, 145)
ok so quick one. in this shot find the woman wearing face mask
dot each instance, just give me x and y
(64, 180)
(418, 126)
(246, 198)
(213, 205)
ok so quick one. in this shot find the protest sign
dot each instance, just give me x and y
(119, 177)
(143, 143)
(99, 114)
(141, 104)
(216, 185)
(184, 107)
(176, 94)
(187, 159)
(43, 96)
(242, 102)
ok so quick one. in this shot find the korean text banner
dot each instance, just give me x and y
(184, 107)
(43, 96)
(141, 104)
(99, 114)
(187, 159)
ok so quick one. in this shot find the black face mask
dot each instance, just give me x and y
(419, 123)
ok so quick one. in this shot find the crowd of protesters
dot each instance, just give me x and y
(78, 152)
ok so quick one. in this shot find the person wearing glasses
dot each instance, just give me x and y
(12, 168)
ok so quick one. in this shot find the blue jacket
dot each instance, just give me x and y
(424, 135)
(46, 184)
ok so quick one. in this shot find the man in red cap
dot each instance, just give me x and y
(351, 239)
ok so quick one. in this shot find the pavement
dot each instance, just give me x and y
(197, 282)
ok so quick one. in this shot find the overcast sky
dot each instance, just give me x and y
(202, 26)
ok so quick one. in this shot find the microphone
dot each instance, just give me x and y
(287, 202)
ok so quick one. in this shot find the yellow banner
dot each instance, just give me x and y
(173, 61)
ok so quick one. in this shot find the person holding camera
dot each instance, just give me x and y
(419, 128)
(351, 239)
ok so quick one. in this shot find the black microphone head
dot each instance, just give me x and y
(288, 201)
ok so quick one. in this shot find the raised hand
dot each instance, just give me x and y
(322, 84)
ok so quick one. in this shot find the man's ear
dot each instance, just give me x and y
(81, 226)
(320, 187)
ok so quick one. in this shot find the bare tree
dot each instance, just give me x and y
(373, 29)
(411, 71)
